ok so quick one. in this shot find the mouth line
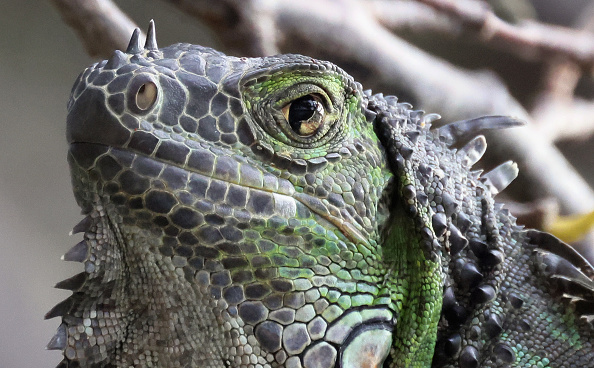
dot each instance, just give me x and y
(282, 190)
(284, 187)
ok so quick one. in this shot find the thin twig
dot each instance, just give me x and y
(530, 40)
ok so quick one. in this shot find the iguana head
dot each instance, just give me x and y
(268, 212)
(234, 213)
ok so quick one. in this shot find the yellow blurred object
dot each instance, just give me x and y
(571, 228)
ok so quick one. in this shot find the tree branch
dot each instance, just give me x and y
(564, 120)
(101, 25)
(558, 114)
(247, 27)
(413, 16)
(530, 40)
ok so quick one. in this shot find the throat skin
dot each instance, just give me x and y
(415, 285)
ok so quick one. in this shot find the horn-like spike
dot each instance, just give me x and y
(470, 276)
(59, 309)
(82, 226)
(73, 283)
(134, 46)
(588, 318)
(559, 267)
(552, 244)
(78, 253)
(429, 118)
(151, 37)
(412, 135)
(463, 130)
(439, 223)
(58, 342)
(473, 151)
(117, 60)
(500, 177)
(457, 240)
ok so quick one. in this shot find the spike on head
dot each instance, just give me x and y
(151, 37)
(117, 60)
(134, 46)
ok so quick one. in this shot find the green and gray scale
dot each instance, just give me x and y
(269, 212)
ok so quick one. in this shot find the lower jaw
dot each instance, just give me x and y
(121, 178)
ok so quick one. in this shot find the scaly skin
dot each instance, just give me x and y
(268, 212)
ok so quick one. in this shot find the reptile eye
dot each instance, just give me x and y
(305, 115)
(146, 96)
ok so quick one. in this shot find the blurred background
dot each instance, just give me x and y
(40, 57)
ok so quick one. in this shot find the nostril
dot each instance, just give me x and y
(90, 121)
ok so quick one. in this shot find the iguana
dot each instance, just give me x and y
(269, 212)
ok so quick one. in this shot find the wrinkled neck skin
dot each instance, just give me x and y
(191, 298)
(411, 248)
(154, 305)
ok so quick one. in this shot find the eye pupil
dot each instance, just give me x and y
(301, 109)
(305, 114)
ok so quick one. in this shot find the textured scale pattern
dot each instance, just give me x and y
(218, 234)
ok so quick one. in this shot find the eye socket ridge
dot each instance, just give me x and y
(305, 115)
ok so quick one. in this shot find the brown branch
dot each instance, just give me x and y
(530, 40)
(248, 27)
(100, 24)
(557, 112)
(561, 78)
(562, 119)
(414, 17)
(538, 214)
